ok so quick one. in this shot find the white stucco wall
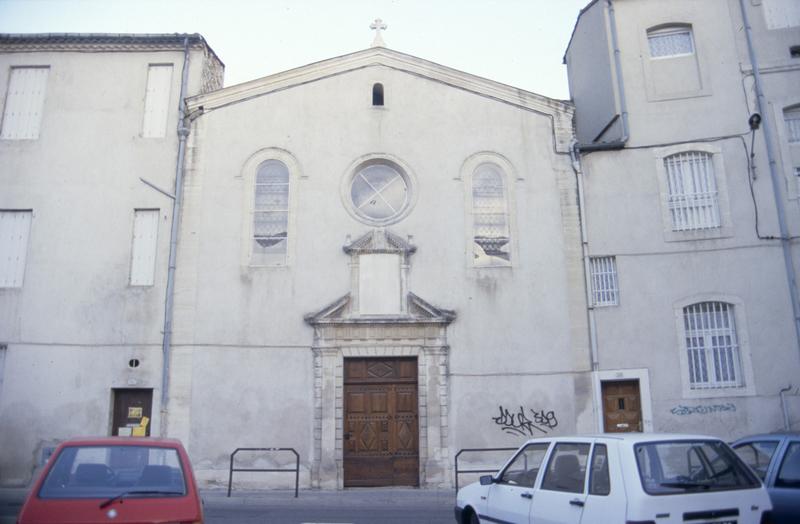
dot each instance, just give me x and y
(75, 324)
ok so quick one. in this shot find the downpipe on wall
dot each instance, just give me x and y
(574, 154)
(183, 134)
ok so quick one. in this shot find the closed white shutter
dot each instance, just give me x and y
(22, 115)
(15, 228)
(780, 14)
(156, 101)
(143, 252)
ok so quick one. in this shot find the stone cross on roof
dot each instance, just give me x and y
(378, 26)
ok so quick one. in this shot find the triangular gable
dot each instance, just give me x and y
(559, 110)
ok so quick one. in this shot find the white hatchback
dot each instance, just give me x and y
(631, 478)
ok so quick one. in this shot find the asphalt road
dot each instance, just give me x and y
(352, 506)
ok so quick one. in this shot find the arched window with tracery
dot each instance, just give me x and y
(270, 213)
(491, 233)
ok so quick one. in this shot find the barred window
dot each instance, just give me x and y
(792, 118)
(605, 291)
(490, 217)
(270, 213)
(712, 346)
(670, 41)
(693, 199)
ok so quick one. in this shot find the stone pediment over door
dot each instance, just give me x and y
(380, 318)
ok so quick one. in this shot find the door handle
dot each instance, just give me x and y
(576, 502)
(526, 495)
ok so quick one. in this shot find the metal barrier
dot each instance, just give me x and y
(474, 450)
(296, 469)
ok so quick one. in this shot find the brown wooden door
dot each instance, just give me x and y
(131, 406)
(381, 435)
(622, 406)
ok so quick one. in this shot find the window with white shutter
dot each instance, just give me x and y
(22, 115)
(15, 228)
(781, 14)
(156, 102)
(144, 246)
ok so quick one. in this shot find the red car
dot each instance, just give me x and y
(115, 480)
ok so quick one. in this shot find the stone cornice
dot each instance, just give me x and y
(374, 57)
(100, 42)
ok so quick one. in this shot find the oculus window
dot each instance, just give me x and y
(379, 192)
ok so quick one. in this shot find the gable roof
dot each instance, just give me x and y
(560, 111)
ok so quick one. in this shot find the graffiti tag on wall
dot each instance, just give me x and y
(702, 409)
(520, 423)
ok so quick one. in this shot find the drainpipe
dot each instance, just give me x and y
(774, 175)
(785, 408)
(183, 133)
(623, 104)
(574, 154)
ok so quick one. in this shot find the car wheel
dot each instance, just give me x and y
(473, 518)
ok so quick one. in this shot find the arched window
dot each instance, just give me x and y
(692, 199)
(671, 40)
(490, 228)
(377, 94)
(712, 346)
(270, 213)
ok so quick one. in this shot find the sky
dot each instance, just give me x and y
(516, 42)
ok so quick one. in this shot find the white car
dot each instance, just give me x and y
(630, 478)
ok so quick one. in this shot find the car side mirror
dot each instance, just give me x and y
(485, 480)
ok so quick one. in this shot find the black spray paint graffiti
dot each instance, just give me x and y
(520, 424)
(702, 409)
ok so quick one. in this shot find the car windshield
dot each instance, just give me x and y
(680, 466)
(108, 471)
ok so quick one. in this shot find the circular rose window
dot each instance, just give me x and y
(379, 192)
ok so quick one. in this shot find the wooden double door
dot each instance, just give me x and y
(381, 430)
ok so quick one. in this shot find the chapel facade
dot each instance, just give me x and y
(379, 261)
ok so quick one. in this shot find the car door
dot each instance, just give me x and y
(784, 483)
(510, 496)
(562, 494)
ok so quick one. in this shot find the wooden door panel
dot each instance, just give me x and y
(381, 434)
(622, 406)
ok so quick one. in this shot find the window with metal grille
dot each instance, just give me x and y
(712, 346)
(670, 41)
(270, 213)
(15, 228)
(792, 118)
(605, 291)
(24, 103)
(692, 191)
(490, 217)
